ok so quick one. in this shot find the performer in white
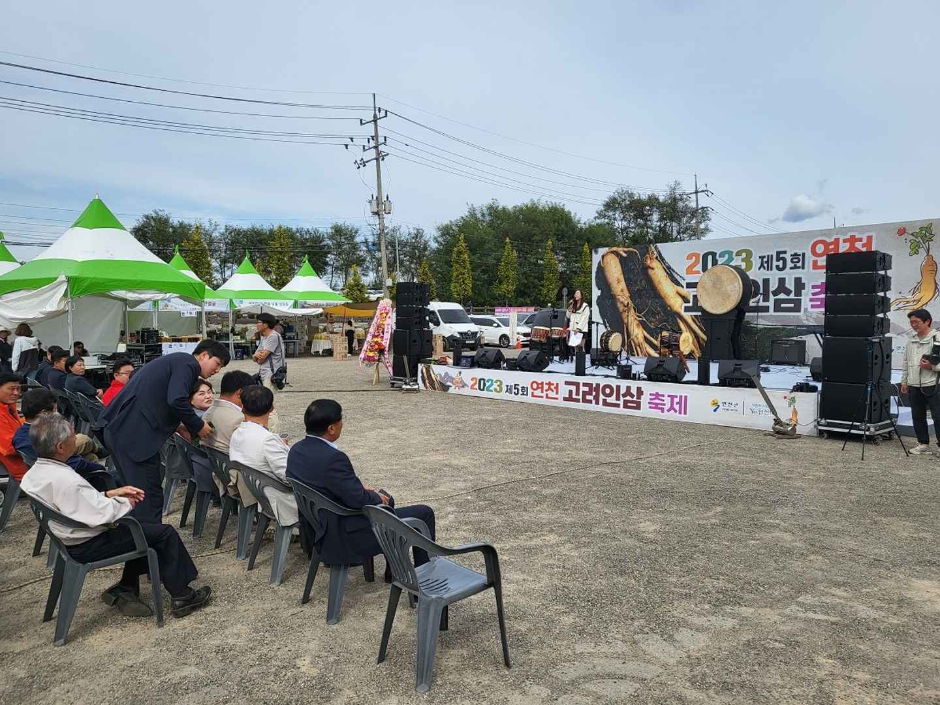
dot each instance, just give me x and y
(579, 313)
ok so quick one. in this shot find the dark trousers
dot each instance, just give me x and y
(350, 337)
(920, 402)
(142, 474)
(177, 569)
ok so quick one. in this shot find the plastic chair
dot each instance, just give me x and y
(69, 574)
(437, 584)
(174, 474)
(64, 404)
(188, 451)
(88, 410)
(221, 465)
(257, 482)
(311, 503)
(10, 498)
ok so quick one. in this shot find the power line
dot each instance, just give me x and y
(733, 222)
(744, 215)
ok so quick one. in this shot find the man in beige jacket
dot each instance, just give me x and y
(225, 415)
(919, 378)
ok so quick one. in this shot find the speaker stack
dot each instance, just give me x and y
(856, 362)
(412, 339)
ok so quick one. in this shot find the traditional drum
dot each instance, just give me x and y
(668, 344)
(724, 288)
(540, 334)
(558, 333)
(611, 341)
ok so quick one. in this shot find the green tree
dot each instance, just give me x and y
(425, 276)
(355, 289)
(507, 276)
(551, 277)
(653, 218)
(582, 279)
(277, 264)
(461, 278)
(160, 234)
(196, 254)
(345, 251)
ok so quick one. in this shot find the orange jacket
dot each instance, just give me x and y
(9, 422)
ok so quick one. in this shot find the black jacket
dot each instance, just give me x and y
(42, 371)
(55, 378)
(79, 385)
(148, 410)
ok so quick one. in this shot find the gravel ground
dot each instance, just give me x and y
(644, 561)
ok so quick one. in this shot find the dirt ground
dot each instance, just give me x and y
(644, 561)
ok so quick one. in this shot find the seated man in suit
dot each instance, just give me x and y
(45, 365)
(149, 410)
(254, 445)
(54, 483)
(40, 402)
(55, 375)
(318, 463)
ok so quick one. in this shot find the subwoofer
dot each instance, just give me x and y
(847, 402)
(664, 369)
(532, 361)
(856, 360)
(412, 342)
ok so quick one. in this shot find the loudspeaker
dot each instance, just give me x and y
(815, 369)
(664, 369)
(412, 342)
(624, 371)
(858, 283)
(788, 352)
(722, 335)
(579, 363)
(856, 360)
(532, 361)
(488, 359)
(412, 294)
(843, 262)
(398, 365)
(737, 373)
(849, 304)
(855, 326)
(411, 317)
(846, 402)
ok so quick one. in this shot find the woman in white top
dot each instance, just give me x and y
(24, 341)
(579, 313)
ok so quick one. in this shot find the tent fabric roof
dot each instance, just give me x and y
(7, 261)
(179, 264)
(307, 286)
(246, 283)
(98, 256)
(353, 310)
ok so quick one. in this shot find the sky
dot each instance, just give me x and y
(793, 114)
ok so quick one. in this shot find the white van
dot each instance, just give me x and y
(449, 319)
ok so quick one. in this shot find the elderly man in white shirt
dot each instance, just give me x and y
(252, 444)
(58, 486)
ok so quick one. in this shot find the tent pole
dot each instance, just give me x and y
(204, 333)
(156, 314)
(71, 332)
(231, 326)
(127, 333)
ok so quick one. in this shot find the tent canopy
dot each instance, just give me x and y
(307, 286)
(98, 256)
(246, 283)
(353, 310)
(7, 261)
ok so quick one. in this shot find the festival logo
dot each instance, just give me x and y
(725, 407)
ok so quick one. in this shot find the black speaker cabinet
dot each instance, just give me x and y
(579, 363)
(722, 335)
(738, 373)
(532, 361)
(856, 360)
(412, 294)
(855, 326)
(411, 317)
(847, 402)
(844, 262)
(855, 304)
(815, 369)
(858, 283)
(398, 366)
(488, 359)
(788, 352)
(664, 369)
(412, 342)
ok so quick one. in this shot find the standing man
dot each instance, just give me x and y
(270, 357)
(150, 408)
(919, 378)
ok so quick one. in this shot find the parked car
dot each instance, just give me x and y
(496, 331)
(448, 319)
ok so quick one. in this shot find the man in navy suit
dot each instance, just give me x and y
(317, 462)
(150, 408)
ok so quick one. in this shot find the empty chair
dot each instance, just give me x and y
(10, 497)
(311, 503)
(257, 481)
(64, 404)
(83, 420)
(437, 584)
(69, 574)
(188, 452)
(221, 467)
(176, 470)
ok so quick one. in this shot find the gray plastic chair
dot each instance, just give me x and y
(221, 465)
(64, 405)
(188, 451)
(257, 481)
(437, 584)
(69, 574)
(176, 470)
(10, 498)
(311, 503)
(84, 410)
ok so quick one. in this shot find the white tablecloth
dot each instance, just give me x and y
(318, 346)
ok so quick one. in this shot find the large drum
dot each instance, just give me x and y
(675, 344)
(724, 288)
(558, 333)
(540, 334)
(611, 341)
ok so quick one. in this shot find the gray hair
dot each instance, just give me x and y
(48, 431)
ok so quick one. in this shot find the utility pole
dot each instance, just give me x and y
(380, 201)
(698, 229)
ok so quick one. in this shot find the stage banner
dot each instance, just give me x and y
(719, 406)
(640, 291)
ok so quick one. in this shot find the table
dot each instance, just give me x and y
(318, 346)
(291, 347)
(168, 348)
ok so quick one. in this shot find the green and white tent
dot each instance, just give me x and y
(7, 261)
(306, 286)
(246, 287)
(98, 262)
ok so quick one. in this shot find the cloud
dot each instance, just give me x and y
(858, 210)
(803, 207)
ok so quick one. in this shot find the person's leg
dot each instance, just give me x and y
(107, 545)
(932, 398)
(919, 414)
(425, 514)
(86, 447)
(144, 475)
(177, 569)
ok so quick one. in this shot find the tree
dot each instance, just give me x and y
(461, 279)
(651, 219)
(355, 289)
(160, 234)
(196, 254)
(507, 275)
(276, 265)
(426, 277)
(582, 279)
(551, 277)
(345, 250)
